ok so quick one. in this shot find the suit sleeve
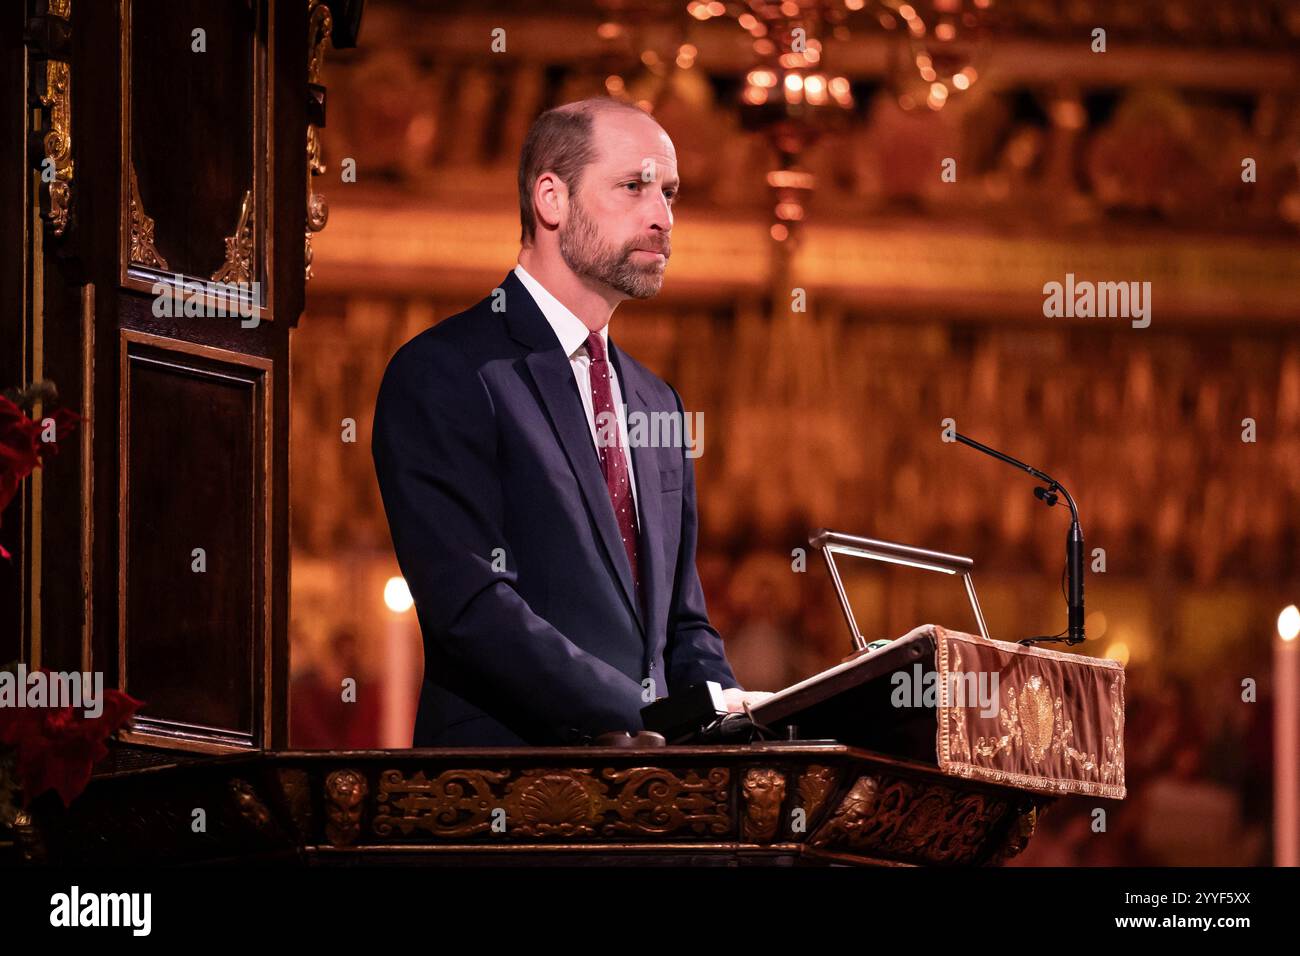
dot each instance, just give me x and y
(434, 446)
(694, 652)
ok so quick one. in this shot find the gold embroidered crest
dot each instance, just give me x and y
(1037, 719)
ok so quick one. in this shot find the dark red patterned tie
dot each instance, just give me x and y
(610, 446)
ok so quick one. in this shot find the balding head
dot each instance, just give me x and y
(561, 141)
(597, 183)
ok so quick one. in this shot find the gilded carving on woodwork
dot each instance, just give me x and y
(763, 792)
(456, 803)
(296, 789)
(57, 142)
(541, 803)
(656, 801)
(554, 804)
(27, 837)
(345, 793)
(1022, 828)
(142, 248)
(320, 26)
(238, 266)
(251, 807)
(815, 786)
(911, 822)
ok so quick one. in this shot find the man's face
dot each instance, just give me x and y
(620, 214)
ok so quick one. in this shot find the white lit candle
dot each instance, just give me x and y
(1286, 739)
(398, 724)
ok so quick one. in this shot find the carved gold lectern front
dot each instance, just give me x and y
(768, 804)
(962, 786)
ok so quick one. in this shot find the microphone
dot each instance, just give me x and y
(1073, 541)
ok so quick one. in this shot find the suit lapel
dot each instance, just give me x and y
(553, 376)
(645, 464)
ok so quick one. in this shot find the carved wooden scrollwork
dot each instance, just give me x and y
(814, 788)
(249, 804)
(763, 792)
(1018, 833)
(345, 799)
(142, 251)
(320, 26)
(27, 837)
(571, 803)
(238, 265)
(296, 787)
(49, 35)
(916, 821)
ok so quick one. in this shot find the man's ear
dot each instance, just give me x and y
(550, 200)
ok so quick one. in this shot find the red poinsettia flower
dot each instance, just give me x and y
(22, 447)
(57, 746)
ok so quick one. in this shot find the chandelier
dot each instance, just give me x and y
(643, 44)
(944, 40)
(788, 96)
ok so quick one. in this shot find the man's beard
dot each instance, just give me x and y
(585, 253)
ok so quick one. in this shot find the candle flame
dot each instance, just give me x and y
(1288, 623)
(397, 595)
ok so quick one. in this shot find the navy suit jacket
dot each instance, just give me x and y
(505, 534)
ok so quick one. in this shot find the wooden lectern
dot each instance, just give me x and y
(158, 552)
(946, 785)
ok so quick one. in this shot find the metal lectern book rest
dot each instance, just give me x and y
(850, 702)
(831, 543)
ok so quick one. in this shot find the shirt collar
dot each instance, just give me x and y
(569, 329)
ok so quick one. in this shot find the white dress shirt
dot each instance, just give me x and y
(572, 333)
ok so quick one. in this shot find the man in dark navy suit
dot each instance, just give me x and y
(547, 536)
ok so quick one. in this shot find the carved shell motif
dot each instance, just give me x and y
(556, 803)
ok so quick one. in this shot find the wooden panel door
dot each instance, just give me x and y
(157, 287)
(209, 279)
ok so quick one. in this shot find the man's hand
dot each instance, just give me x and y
(737, 699)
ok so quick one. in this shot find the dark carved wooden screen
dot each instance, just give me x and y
(202, 400)
(155, 548)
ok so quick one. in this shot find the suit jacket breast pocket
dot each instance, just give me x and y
(670, 479)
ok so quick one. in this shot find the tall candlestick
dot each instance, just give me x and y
(1286, 739)
(398, 726)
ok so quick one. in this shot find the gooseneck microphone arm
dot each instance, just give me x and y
(1073, 541)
